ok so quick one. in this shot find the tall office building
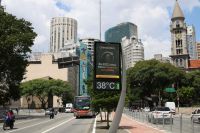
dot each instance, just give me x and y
(115, 34)
(191, 42)
(69, 49)
(179, 48)
(198, 50)
(1, 7)
(90, 45)
(160, 58)
(62, 30)
(133, 50)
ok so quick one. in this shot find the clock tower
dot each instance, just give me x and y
(179, 49)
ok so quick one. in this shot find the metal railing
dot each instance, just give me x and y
(178, 123)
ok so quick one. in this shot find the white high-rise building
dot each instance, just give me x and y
(191, 41)
(62, 30)
(160, 58)
(133, 51)
(90, 44)
(69, 49)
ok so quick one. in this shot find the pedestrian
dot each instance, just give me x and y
(17, 110)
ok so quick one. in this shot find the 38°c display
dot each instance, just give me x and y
(107, 66)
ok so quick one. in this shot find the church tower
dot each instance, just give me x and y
(179, 49)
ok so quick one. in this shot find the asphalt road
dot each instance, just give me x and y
(62, 123)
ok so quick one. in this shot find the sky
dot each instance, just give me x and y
(152, 17)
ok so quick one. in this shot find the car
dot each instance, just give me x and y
(68, 110)
(146, 109)
(171, 106)
(160, 114)
(195, 117)
(47, 112)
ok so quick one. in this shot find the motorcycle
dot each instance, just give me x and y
(8, 123)
(51, 115)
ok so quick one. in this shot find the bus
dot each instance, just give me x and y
(82, 107)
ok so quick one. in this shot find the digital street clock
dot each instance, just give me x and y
(107, 66)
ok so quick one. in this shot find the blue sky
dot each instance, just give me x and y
(152, 18)
(63, 6)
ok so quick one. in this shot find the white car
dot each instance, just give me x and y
(68, 110)
(146, 109)
(47, 112)
(160, 114)
(171, 106)
(195, 117)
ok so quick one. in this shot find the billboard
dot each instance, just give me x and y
(107, 66)
(84, 69)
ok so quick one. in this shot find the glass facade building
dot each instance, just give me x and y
(115, 34)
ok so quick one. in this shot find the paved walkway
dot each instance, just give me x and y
(127, 125)
(133, 126)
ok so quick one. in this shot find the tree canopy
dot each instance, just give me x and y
(16, 39)
(192, 80)
(150, 77)
(43, 89)
(104, 100)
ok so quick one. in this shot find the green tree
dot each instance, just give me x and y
(151, 77)
(44, 89)
(193, 80)
(104, 100)
(16, 39)
(186, 95)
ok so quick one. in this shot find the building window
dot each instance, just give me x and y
(181, 62)
(176, 62)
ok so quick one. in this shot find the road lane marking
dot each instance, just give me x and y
(127, 130)
(58, 125)
(94, 126)
(31, 125)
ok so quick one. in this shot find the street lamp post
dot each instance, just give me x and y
(116, 120)
(178, 102)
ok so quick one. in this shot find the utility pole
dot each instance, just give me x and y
(100, 20)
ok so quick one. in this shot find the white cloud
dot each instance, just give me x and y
(151, 16)
(156, 46)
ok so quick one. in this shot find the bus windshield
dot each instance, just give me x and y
(82, 103)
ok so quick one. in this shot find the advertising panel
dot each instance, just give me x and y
(83, 69)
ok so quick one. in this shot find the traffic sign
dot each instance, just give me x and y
(170, 90)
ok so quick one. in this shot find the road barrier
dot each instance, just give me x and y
(178, 123)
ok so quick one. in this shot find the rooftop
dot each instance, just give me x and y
(194, 63)
(177, 13)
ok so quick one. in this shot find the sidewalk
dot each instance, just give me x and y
(127, 125)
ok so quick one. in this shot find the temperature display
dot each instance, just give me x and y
(102, 85)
